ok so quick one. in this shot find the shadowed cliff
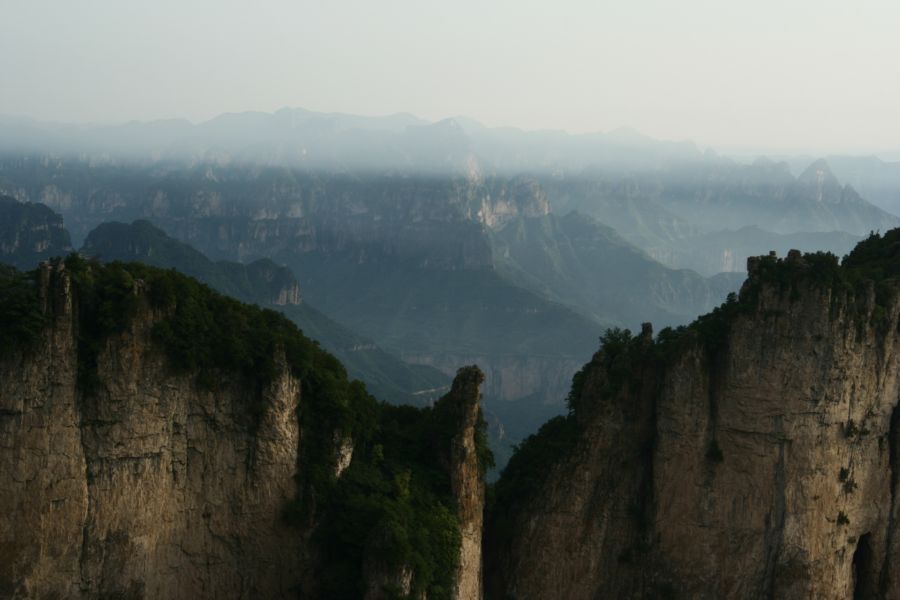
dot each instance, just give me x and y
(751, 454)
(163, 441)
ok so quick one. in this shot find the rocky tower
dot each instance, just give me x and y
(459, 447)
(755, 457)
(149, 487)
(466, 478)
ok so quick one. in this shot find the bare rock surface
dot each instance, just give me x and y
(148, 487)
(764, 467)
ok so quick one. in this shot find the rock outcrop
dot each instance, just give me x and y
(753, 455)
(466, 478)
(510, 378)
(460, 446)
(147, 487)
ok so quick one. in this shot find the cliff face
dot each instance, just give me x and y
(156, 444)
(759, 462)
(460, 446)
(466, 480)
(148, 487)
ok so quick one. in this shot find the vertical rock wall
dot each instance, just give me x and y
(766, 468)
(467, 481)
(148, 487)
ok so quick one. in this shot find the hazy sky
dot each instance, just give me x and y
(778, 75)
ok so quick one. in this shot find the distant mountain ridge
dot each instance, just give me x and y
(401, 142)
(342, 142)
(875, 179)
(261, 281)
(697, 216)
(576, 260)
(652, 191)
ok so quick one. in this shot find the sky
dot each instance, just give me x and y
(761, 75)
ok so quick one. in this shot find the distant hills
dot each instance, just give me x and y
(705, 198)
(340, 142)
(576, 260)
(652, 192)
(261, 281)
(697, 216)
(265, 283)
(875, 179)
(29, 233)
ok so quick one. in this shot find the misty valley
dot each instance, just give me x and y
(320, 355)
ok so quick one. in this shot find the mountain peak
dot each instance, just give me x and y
(627, 134)
(819, 173)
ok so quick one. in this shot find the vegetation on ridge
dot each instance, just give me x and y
(393, 505)
(202, 331)
(21, 318)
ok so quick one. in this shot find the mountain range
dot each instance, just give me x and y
(670, 199)
(341, 142)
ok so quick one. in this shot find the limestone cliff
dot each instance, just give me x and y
(148, 487)
(466, 477)
(457, 435)
(752, 455)
(159, 440)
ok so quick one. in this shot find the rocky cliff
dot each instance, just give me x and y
(162, 441)
(753, 454)
(466, 478)
(148, 487)
(457, 434)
